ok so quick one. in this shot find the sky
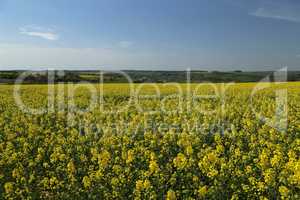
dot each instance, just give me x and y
(150, 34)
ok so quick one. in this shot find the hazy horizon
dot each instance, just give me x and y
(158, 68)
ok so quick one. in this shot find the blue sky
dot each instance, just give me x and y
(150, 34)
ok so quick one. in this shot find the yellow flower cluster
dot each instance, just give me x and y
(178, 152)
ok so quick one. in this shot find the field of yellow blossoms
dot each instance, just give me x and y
(153, 141)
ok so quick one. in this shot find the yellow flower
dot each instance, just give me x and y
(220, 148)
(275, 160)
(104, 158)
(189, 150)
(16, 173)
(147, 184)
(171, 195)
(139, 185)
(269, 176)
(114, 181)
(152, 156)
(212, 157)
(234, 197)
(53, 181)
(180, 161)
(98, 174)
(252, 180)
(195, 178)
(8, 187)
(202, 191)
(86, 182)
(284, 191)
(130, 156)
(153, 166)
(71, 167)
(237, 152)
(248, 169)
(212, 173)
(261, 186)
(94, 154)
(264, 159)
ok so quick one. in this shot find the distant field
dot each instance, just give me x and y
(146, 76)
(150, 141)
